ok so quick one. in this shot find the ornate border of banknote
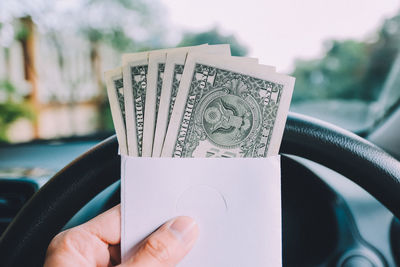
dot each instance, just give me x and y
(197, 102)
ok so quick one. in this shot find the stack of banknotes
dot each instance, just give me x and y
(197, 101)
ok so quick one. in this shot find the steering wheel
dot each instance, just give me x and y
(25, 241)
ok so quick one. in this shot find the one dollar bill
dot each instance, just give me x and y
(153, 93)
(135, 67)
(115, 92)
(227, 109)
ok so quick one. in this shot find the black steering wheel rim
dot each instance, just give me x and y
(25, 240)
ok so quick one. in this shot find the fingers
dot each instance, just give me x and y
(106, 226)
(167, 246)
(88, 244)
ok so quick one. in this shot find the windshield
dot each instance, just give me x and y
(344, 55)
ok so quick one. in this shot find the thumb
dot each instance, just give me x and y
(166, 246)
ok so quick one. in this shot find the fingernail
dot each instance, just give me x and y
(184, 229)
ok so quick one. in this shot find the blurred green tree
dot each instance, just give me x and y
(349, 69)
(382, 55)
(213, 36)
(125, 25)
(339, 74)
(120, 19)
(12, 107)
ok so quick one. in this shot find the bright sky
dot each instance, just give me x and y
(279, 31)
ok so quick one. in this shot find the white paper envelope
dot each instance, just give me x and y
(236, 203)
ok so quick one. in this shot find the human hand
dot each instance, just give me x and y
(96, 243)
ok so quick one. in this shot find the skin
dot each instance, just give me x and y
(96, 243)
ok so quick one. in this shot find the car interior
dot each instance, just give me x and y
(340, 181)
